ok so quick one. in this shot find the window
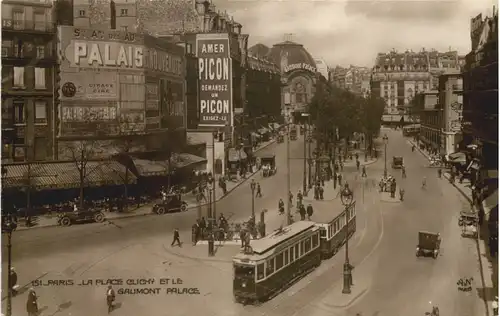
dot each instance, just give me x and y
(307, 245)
(124, 12)
(315, 241)
(18, 17)
(6, 47)
(323, 232)
(39, 21)
(260, 271)
(279, 261)
(19, 77)
(40, 149)
(81, 13)
(270, 267)
(297, 253)
(40, 78)
(40, 51)
(40, 112)
(18, 49)
(301, 248)
(124, 28)
(19, 112)
(286, 257)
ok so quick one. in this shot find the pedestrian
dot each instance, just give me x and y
(363, 172)
(357, 164)
(194, 233)
(334, 179)
(259, 191)
(290, 197)
(302, 212)
(322, 179)
(31, 303)
(13, 281)
(440, 173)
(321, 192)
(316, 192)
(341, 166)
(203, 226)
(176, 238)
(110, 298)
(401, 193)
(310, 211)
(403, 171)
(340, 179)
(299, 199)
(357, 156)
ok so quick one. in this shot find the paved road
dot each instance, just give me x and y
(398, 282)
(138, 248)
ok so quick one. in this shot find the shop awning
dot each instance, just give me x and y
(149, 168)
(490, 202)
(185, 160)
(65, 175)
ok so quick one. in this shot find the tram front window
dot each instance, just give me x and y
(244, 271)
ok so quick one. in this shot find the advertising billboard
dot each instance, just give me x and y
(215, 80)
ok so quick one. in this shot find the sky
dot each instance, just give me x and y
(345, 32)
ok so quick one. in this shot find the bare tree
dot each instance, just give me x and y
(81, 153)
(128, 133)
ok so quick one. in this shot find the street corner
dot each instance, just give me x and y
(386, 197)
(337, 300)
(196, 254)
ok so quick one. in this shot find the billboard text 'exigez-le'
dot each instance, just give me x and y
(215, 79)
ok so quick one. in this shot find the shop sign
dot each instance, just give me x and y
(215, 79)
(299, 66)
(88, 113)
(89, 85)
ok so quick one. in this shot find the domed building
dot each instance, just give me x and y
(298, 70)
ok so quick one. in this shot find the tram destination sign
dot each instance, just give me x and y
(215, 80)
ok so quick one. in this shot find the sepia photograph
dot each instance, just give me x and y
(249, 158)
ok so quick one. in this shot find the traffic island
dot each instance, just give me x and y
(386, 197)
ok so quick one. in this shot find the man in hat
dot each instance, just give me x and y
(110, 298)
(13, 281)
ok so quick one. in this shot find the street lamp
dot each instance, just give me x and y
(386, 140)
(8, 226)
(252, 187)
(307, 126)
(214, 210)
(347, 199)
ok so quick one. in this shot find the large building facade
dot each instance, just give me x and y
(298, 75)
(399, 76)
(480, 118)
(28, 66)
(355, 79)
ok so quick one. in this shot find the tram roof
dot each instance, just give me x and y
(272, 240)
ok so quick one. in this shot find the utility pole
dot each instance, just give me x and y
(309, 154)
(288, 202)
(304, 185)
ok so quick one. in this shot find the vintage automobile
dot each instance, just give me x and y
(80, 216)
(428, 244)
(268, 163)
(469, 222)
(397, 162)
(172, 204)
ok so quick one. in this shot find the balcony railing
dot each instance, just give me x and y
(28, 25)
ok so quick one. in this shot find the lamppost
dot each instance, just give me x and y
(304, 184)
(347, 199)
(386, 140)
(8, 226)
(252, 187)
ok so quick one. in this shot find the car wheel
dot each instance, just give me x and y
(184, 207)
(99, 218)
(65, 221)
(160, 210)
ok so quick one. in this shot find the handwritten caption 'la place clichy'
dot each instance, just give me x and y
(150, 286)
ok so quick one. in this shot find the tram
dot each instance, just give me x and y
(276, 261)
(333, 229)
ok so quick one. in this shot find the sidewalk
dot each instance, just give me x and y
(143, 210)
(488, 266)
